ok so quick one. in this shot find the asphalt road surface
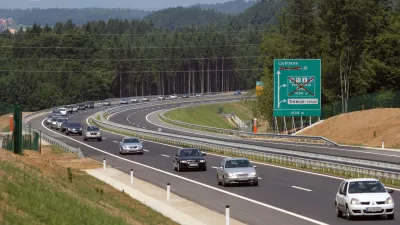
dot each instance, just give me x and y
(283, 196)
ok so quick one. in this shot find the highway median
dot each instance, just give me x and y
(325, 168)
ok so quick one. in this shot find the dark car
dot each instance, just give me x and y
(64, 126)
(90, 104)
(81, 107)
(185, 96)
(69, 108)
(74, 128)
(189, 158)
(237, 92)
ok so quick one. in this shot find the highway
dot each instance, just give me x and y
(147, 117)
(284, 196)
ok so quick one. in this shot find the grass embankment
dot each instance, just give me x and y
(50, 188)
(206, 115)
(362, 128)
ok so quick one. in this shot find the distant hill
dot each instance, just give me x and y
(173, 18)
(78, 16)
(231, 7)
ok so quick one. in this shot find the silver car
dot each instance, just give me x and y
(236, 171)
(130, 145)
(48, 120)
(59, 123)
(54, 121)
(92, 132)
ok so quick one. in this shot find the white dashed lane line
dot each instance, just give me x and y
(300, 188)
(165, 155)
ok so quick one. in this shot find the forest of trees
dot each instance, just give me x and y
(358, 42)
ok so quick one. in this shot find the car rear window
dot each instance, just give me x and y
(189, 152)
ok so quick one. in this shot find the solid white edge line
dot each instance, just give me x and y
(228, 137)
(165, 155)
(193, 181)
(304, 189)
(259, 163)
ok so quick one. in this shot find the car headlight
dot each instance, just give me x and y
(355, 201)
(202, 160)
(389, 200)
(69, 128)
(253, 174)
(230, 174)
(183, 161)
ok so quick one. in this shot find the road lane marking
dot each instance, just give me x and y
(304, 189)
(215, 167)
(165, 155)
(259, 178)
(146, 150)
(193, 181)
(115, 141)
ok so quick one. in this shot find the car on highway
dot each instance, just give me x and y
(63, 111)
(173, 96)
(145, 99)
(106, 103)
(161, 98)
(185, 95)
(236, 171)
(237, 92)
(74, 128)
(64, 126)
(130, 145)
(134, 100)
(49, 119)
(90, 104)
(364, 197)
(54, 121)
(69, 108)
(189, 158)
(92, 132)
(74, 108)
(199, 95)
(124, 101)
(82, 107)
(59, 123)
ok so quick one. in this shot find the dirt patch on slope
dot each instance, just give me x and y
(366, 128)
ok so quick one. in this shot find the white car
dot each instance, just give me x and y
(161, 98)
(75, 108)
(63, 111)
(364, 197)
(199, 95)
(124, 101)
(173, 96)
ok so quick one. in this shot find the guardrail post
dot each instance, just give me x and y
(104, 164)
(168, 192)
(227, 215)
(383, 144)
(131, 176)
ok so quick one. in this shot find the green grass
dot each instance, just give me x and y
(5, 128)
(206, 115)
(28, 196)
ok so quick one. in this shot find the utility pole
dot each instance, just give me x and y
(120, 80)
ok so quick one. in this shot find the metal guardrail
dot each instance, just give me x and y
(238, 151)
(243, 147)
(269, 136)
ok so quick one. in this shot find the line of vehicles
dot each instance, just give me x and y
(161, 97)
(69, 109)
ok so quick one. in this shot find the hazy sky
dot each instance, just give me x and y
(136, 4)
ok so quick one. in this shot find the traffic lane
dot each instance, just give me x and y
(165, 164)
(374, 155)
(210, 200)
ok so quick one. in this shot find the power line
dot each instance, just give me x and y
(134, 59)
(146, 47)
(124, 72)
(140, 34)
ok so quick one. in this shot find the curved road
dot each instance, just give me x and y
(284, 196)
(147, 117)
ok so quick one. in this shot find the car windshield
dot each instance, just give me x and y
(54, 118)
(62, 119)
(189, 152)
(239, 163)
(366, 187)
(92, 128)
(131, 140)
(74, 124)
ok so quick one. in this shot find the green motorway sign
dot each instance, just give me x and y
(297, 87)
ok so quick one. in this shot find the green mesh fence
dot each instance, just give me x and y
(385, 99)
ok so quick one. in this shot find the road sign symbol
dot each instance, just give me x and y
(301, 86)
